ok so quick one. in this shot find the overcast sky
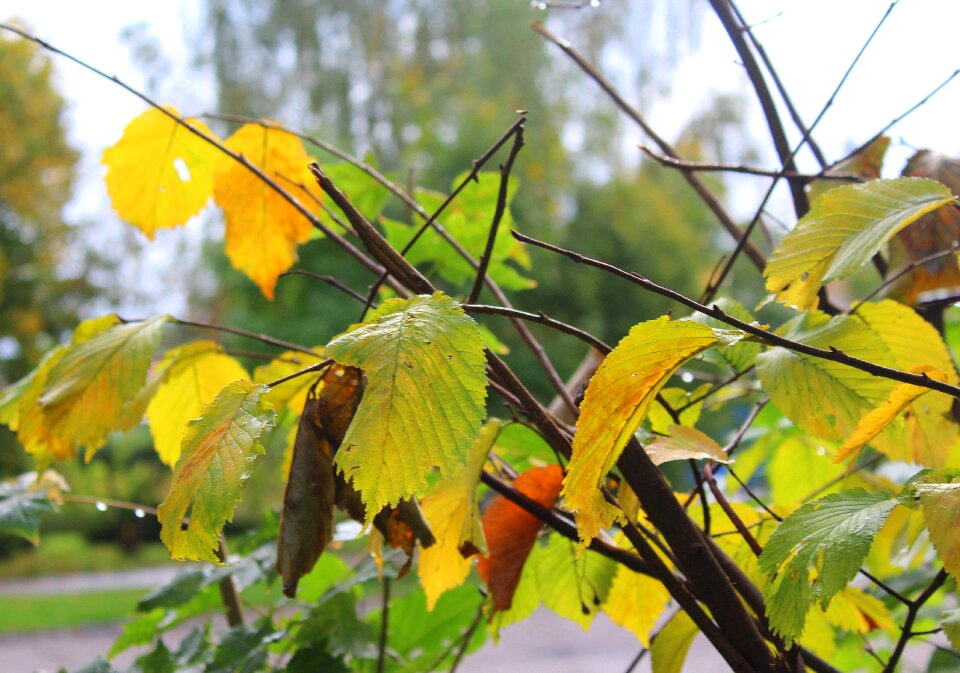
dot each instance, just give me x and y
(811, 42)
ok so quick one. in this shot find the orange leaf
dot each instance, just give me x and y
(263, 228)
(511, 532)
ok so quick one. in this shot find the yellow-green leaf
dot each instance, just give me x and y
(573, 586)
(940, 497)
(424, 401)
(843, 230)
(800, 467)
(216, 457)
(33, 429)
(822, 397)
(670, 647)
(616, 401)
(659, 418)
(197, 372)
(160, 174)
(94, 388)
(682, 443)
(874, 422)
(454, 517)
(263, 228)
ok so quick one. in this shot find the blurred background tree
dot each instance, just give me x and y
(39, 297)
(426, 87)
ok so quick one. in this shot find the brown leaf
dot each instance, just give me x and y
(932, 233)
(511, 532)
(313, 488)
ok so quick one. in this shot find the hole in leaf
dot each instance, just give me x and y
(181, 168)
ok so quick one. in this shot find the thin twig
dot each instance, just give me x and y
(670, 162)
(472, 176)
(912, 609)
(465, 640)
(384, 626)
(498, 212)
(781, 89)
(786, 161)
(712, 202)
(770, 338)
(541, 318)
(912, 266)
(329, 280)
(735, 30)
(303, 372)
(903, 115)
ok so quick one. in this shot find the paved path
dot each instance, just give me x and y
(544, 643)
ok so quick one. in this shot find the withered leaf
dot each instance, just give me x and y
(313, 488)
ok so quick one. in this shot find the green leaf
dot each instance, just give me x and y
(843, 230)
(217, 453)
(572, 587)
(670, 646)
(468, 220)
(243, 649)
(418, 636)
(23, 504)
(832, 536)
(366, 194)
(424, 400)
(822, 397)
(94, 388)
(950, 622)
(616, 401)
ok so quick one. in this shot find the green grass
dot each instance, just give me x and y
(63, 553)
(41, 612)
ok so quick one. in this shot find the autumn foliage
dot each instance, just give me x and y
(786, 549)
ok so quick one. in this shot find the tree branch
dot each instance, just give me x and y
(769, 338)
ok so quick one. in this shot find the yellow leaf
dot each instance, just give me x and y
(218, 450)
(858, 612)
(683, 443)
(452, 512)
(616, 401)
(197, 372)
(263, 228)
(635, 602)
(874, 422)
(929, 433)
(159, 174)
